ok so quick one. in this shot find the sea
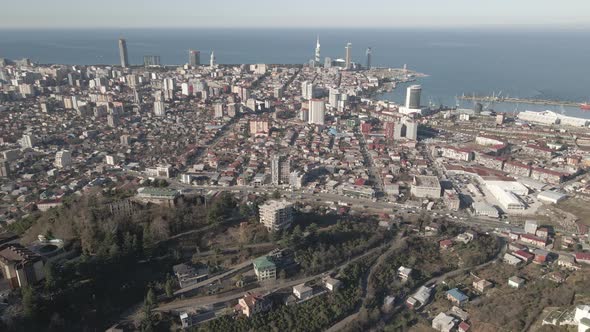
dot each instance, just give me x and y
(515, 62)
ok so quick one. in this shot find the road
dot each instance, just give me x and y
(232, 270)
(181, 305)
(396, 244)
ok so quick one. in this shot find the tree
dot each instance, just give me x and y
(169, 287)
(29, 302)
(148, 320)
(50, 277)
(276, 194)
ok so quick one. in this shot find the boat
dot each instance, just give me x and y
(585, 106)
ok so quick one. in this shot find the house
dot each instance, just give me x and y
(582, 257)
(514, 246)
(404, 273)
(463, 327)
(188, 320)
(332, 284)
(188, 274)
(302, 292)
(511, 259)
(534, 240)
(459, 313)
(20, 266)
(251, 304)
(568, 262)
(482, 285)
(515, 282)
(524, 255)
(465, 237)
(541, 256)
(420, 297)
(542, 232)
(457, 297)
(446, 244)
(444, 323)
(265, 268)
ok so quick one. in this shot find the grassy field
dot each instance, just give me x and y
(578, 207)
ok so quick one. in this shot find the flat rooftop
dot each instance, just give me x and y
(426, 181)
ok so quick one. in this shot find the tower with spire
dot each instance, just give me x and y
(212, 60)
(317, 51)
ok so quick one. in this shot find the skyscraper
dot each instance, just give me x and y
(317, 52)
(413, 97)
(348, 55)
(317, 111)
(123, 53)
(369, 51)
(194, 58)
(212, 60)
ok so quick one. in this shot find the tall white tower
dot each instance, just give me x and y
(212, 60)
(317, 51)
(413, 97)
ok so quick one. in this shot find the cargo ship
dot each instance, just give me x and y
(585, 106)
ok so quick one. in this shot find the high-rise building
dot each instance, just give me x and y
(405, 129)
(212, 59)
(159, 108)
(151, 60)
(194, 58)
(280, 168)
(328, 62)
(28, 141)
(317, 111)
(413, 96)
(317, 58)
(123, 53)
(113, 120)
(4, 169)
(63, 159)
(276, 215)
(307, 90)
(348, 57)
(369, 54)
(334, 97)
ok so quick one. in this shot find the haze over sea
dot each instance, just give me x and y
(525, 63)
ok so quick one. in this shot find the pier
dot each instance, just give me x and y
(496, 99)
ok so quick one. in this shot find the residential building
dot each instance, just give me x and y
(426, 187)
(457, 297)
(252, 304)
(482, 285)
(302, 292)
(265, 268)
(63, 159)
(276, 215)
(20, 266)
(444, 323)
(516, 282)
(280, 169)
(317, 111)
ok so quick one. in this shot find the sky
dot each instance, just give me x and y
(292, 13)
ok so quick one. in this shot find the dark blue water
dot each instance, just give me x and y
(522, 63)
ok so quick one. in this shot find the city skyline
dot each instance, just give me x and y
(373, 13)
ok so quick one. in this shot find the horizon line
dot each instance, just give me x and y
(499, 26)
